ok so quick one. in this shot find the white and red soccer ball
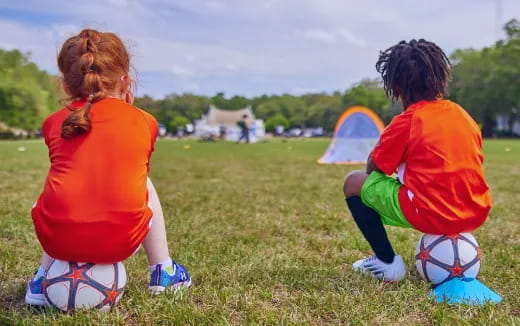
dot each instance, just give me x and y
(70, 286)
(440, 258)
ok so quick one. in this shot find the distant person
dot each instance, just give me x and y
(244, 129)
(98, 204)
(222, 132)
(252, 132)
(436, 149)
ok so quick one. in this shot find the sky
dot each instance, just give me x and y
(252, 47)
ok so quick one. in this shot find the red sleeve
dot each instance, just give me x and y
(46, 129)
(154, 129)
(391, 148)
(154, 132)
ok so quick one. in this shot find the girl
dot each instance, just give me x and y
(97, 204)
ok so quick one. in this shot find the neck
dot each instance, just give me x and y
(407, 103)
(118, 95)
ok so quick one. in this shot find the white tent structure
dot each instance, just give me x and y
(503, 124)
(211, 124)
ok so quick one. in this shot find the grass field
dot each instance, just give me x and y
(266, 236)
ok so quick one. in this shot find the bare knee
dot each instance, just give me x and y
(353, 183)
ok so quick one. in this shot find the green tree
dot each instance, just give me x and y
(190, 106)
(234, 103)
(323, 110)
(487, 82)
(369, 93)
(289, 106)
(27, 94)
(276, 120)
(178, 123)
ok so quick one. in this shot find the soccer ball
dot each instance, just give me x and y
(440, 258)
(69, 286)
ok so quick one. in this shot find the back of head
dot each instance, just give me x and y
(414, 71)
(92, 65)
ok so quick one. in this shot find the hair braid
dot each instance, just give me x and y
(92, 64)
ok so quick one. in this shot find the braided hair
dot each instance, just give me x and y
(414, 71)
(92, 64)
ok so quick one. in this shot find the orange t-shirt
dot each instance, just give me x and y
(436, 148)
(94, 205)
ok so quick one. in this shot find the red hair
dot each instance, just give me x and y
(92, 64)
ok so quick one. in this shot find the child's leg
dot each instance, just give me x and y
(45, 261)
(367, 219)
(165, 273)
(155, 244)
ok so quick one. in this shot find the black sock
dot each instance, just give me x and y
(369, 222)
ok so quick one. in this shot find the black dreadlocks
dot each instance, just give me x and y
(414, 71)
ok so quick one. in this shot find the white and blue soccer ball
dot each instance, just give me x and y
(440, 258)
(70, 286)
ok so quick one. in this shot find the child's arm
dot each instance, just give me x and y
(390, 151)
(371, 166)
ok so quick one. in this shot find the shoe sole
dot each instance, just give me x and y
(157, 289)
(35, 299)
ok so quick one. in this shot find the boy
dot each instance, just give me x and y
(436, 149)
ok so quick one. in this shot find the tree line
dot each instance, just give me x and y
(309, 110)
(27, 94)
(485, 82)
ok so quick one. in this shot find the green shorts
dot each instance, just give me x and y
(380, 192)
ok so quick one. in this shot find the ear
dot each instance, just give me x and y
(125, 82)
(126, 90)
(129, 97)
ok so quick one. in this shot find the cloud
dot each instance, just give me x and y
(64, 31)
(250, 47)
(41, 44)
(156, 55)
(303, 90)
(352, 39)
(232, 67)
(181, 71)
(119, 3)
(191, 86)
(331, 37)
(215, 5)
(319, 35)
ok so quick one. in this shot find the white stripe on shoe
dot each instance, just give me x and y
(157, 289)
(35, 299)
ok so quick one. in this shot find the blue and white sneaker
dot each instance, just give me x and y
(393, 272)
(34, 294)
(173, 277)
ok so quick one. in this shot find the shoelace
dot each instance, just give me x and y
(369, 259)
(374, 269)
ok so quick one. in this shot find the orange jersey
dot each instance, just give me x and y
(94, 205)
(436, 149)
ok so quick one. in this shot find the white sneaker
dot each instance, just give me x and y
(393, 272)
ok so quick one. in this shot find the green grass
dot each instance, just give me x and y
(266, 235)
